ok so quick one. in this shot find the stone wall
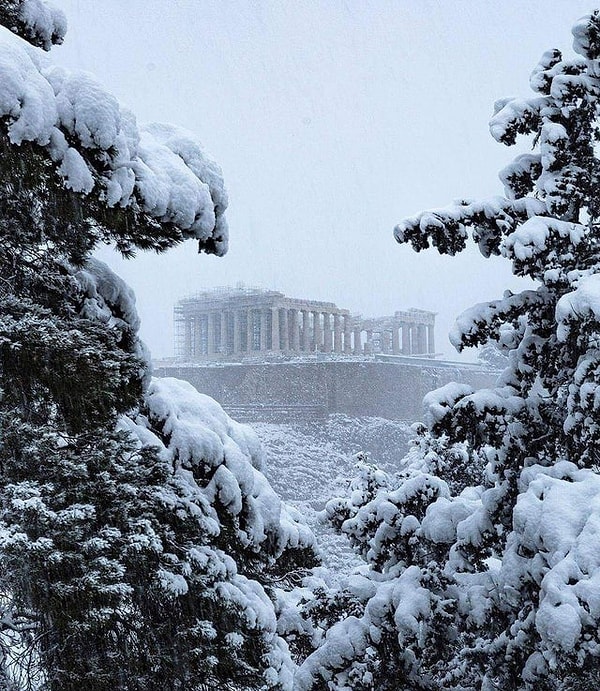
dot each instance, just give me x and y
(392, 390)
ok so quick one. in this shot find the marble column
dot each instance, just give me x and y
(337, 333)
(263, 330)
(294, 331)
(386, 341)
(237, 348)
(327, 340)
(430, 339)
(216, 327)
(211, 333)
(369, 342)
(190, 347)
(395, 340)
(216, 324)
(305, 330)
(357, 343)
(275, 328)
(421, 339)
(187, 338)
(200, 327)
(414, 341)
(250, 316)
(284, 330)
(317, 332)
(406, 349)
(347, 335)
(224, 319)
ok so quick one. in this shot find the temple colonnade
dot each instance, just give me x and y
(234, 323)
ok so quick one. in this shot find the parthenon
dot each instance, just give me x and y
(224, 324)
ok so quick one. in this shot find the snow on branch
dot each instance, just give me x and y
(464, 414)
(556, 518)
(484, 321)
(438, 403)
(586, 33)
(548, 182)
(516, 116)
(225, 458)
(107, 297)
(177, 420)
(581, 304)
(541, 241)
(347, 640)
(97, 146)
(520, 175)
(37, 21)
(445, 228)
(523, 554)
(541, 76)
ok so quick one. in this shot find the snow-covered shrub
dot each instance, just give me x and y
(497, 586)
(403, 526)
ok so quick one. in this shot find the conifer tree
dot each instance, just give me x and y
(138, 537)
(496, 586)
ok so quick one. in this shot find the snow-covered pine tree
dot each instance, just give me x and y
(498, 586)
(137, 533)
(399, 627)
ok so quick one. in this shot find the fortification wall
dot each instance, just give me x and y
(390, 390)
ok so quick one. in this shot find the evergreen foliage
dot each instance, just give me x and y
(38, 21)
(138, 537)
(492, 582)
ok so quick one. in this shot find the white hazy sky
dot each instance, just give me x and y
(332, 120)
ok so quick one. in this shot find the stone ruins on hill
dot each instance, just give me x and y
(269, 358)
(225, 324)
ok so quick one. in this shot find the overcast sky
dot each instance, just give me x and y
(332, 120)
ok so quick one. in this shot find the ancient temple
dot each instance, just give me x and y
(224, 324)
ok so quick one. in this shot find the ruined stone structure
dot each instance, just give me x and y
(301, 389)
(225, 324)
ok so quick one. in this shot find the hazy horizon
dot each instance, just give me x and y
(332, 121)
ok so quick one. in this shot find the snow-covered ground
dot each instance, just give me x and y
(309, 463)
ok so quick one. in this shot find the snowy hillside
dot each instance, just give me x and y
(309, 463)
